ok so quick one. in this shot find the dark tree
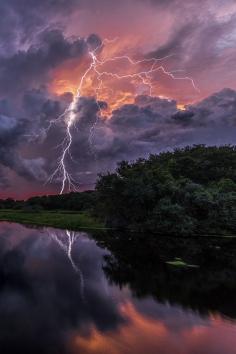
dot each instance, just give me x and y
(187, 191)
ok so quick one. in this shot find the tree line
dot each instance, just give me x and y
(187, 191)
(83, 201)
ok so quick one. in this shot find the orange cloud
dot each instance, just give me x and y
(138, 333)
(142, 334)
(121, 80)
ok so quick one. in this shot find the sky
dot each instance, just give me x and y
(127, 78)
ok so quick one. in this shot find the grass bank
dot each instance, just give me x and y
(58, 219)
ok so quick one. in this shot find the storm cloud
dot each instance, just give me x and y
(42, 41)
(12, 133)
(30, 68)
(150, 125)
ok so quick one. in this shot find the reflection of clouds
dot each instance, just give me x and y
(175, 317)
(10, 240)
(39, 292)
(145, 334)
(133, 337)
(41, 310)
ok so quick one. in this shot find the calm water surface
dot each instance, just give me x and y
(65, 293)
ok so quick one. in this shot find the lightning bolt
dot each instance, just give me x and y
(66, 244)
(70, 116)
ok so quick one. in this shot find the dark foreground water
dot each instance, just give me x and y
(61, 292)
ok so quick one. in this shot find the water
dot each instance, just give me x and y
(65, 293)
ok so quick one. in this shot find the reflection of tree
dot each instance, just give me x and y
(140, 262)
(66, 239)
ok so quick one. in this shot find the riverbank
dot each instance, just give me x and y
(58, 219)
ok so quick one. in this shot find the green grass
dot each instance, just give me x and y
(58, 219)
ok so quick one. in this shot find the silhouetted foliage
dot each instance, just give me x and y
(188, 191)
(83, 201)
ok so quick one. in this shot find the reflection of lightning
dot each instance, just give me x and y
(66, 244)
(95, 66)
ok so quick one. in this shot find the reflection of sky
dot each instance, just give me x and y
(41, 310)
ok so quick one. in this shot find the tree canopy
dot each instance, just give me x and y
(187, 191)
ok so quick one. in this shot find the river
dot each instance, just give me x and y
(64, 292)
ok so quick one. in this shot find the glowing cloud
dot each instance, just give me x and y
(95, 80)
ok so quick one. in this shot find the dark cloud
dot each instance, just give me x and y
(43, 107)
(153, 124)
(93, 41)
(217, 109)
(183, 117)
(21, 20)
(4, 181)
(13, 132)
(30, 68)
(150, 125)
(5, 108)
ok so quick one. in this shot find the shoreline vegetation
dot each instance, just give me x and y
(57, 219)
(188, 192)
